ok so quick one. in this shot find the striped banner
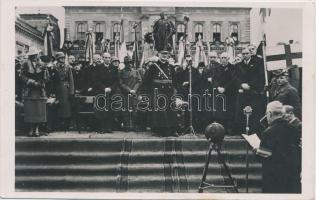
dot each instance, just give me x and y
(283, 56)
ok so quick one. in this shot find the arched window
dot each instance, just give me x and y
(216, 32)
(180, 31)
(234, 31)
(116, 32)
(198, 31)
(98, 33)
(81, 31)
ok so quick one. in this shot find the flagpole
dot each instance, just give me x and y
(265, 68)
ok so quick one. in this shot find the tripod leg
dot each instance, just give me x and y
(222, 160)
(207, 161)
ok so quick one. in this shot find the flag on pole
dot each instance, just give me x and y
(264, 13)
(199, 53)
(122, 50)
(283, 56)
(90, 47)
(48, 41)
(135, 56)
(181, 51)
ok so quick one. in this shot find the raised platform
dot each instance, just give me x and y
(127, 162)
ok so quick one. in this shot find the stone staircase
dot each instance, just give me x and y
(128, 165)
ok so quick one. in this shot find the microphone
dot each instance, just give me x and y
(247, 110)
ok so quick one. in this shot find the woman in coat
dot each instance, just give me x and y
(34, 76)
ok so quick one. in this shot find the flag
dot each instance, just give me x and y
(181, 51)
(90, 47)
(283, 56)
(122, 50)
(48, 41)
(264, 13)
(199, 53)
(135, 56)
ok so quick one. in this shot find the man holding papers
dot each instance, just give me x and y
(279, 151)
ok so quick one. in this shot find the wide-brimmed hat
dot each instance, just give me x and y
(33, 51)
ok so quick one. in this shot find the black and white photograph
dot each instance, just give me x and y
(139, 98)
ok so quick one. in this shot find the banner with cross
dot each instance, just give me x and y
(283, 56)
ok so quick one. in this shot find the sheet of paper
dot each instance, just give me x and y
(253, 140)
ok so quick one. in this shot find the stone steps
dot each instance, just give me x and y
(128, 165)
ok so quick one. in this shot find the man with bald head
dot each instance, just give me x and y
(250, 86)
(89, 75)
(225, 93)
(105, 83)
(280, 152)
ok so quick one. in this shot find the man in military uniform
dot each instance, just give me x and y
(130, 80)
(158, 83)
(286, 93)
(250, 86)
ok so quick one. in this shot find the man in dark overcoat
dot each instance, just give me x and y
(279, 150)
(89, 76)
(105, 83)
(207, 87)
(224, 94)
(159, 84)
(250, 86)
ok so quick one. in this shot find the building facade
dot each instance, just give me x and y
(40, 21)
(213, 25)
(26, 36)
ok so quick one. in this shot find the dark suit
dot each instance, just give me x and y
(224, 103)
(251, 73)
(281, 171)
(105, 77)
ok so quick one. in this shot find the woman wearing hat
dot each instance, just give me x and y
(34, 77)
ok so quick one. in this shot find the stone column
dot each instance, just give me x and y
(108, 30)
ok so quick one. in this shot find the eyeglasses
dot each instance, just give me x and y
(223, 57)
(245, 53)
(106, 57)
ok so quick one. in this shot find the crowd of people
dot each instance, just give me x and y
(48, 91)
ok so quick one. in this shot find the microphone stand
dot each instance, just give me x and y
(190, 129)
(247, 111)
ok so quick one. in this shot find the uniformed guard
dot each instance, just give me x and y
(159, 84)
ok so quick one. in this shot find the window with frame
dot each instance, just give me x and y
(217, 32)
(234, 31)
(198, 30)
(180, 31)
(116, 32)
(133, 30)
(81, 31)
(98, 33)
